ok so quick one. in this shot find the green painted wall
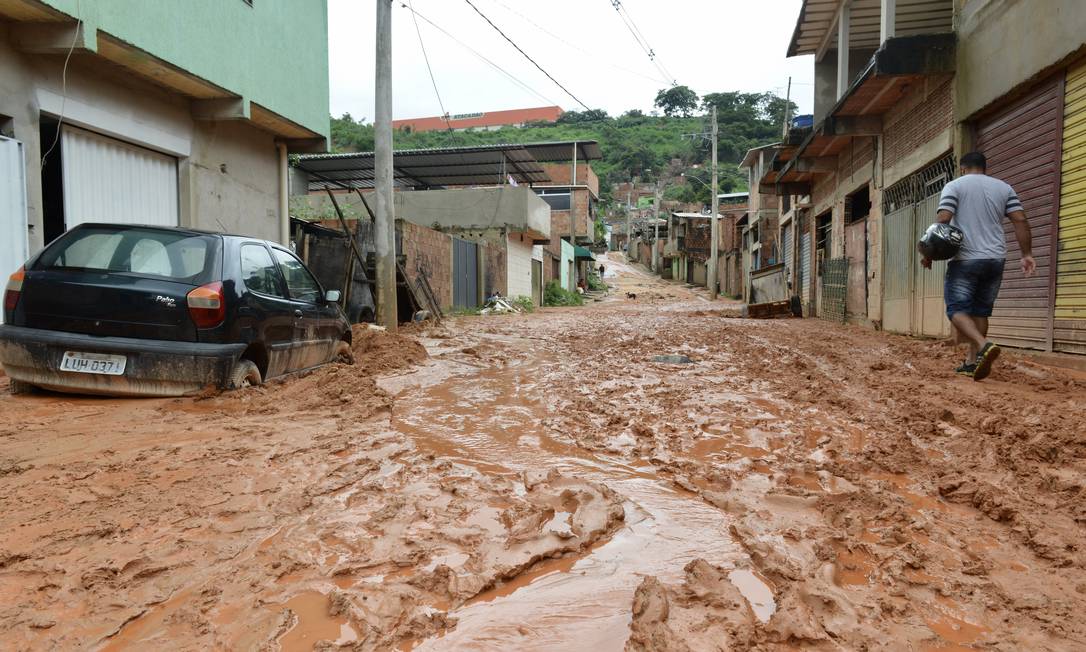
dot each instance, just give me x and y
(274, 53)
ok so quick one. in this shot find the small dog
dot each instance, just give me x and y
(631, 295)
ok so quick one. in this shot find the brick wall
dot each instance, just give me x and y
(430, 251)
(918, 118)
(561, 174)
(857, 155)
(560, 221)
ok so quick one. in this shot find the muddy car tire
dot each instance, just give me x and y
(344, 354)
(245, 374)
(18, 387)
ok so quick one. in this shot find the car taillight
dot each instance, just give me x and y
(207, 305)
(14, 289)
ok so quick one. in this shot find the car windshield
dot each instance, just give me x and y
(132, 250)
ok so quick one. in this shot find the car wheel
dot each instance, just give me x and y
(344, 354)
(19, 387)
(245, 374)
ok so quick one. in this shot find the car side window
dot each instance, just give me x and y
(258, 271)
(300, 283)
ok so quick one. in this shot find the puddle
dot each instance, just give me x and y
(755, 589)
(571, 603)
(314, 623)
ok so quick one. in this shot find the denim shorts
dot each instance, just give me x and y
(971, 286)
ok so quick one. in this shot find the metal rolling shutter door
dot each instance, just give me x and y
(1022, 145)
(1069, 333)
(106, 180)
(786, 245)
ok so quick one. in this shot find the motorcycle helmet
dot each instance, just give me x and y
(941, 242)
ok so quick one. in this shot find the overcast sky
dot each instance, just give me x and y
(708, 45)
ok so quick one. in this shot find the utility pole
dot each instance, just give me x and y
(714, 228)
(787, 106)
(656, 227)
(573, 218)
(629, 232)
(385, 226)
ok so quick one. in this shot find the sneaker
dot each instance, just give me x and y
(985, 358)
(966, 369)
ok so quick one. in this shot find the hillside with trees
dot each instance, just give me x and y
(633, 144)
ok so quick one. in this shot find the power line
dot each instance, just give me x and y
(574, 45)
(628, 20)
(426, 58)
(496, 28)
(467, 47)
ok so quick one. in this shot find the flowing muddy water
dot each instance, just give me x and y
(495, 421)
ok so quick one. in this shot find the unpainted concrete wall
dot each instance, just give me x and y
(1005, 43)
(516, 208)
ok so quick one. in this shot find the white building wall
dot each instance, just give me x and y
(227, 172)
(519, 266)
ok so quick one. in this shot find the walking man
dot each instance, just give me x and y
(977, 203)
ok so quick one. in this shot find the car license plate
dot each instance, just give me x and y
(93, 363)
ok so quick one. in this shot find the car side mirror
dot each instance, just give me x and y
(332, 296)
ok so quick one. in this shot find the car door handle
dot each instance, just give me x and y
(298, 313)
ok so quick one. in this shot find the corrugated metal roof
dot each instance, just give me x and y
(444, 166)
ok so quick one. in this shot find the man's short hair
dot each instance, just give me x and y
(975, 160)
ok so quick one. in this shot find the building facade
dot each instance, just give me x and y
(155, 112)
(898, 101)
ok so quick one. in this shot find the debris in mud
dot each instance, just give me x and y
(672, 359)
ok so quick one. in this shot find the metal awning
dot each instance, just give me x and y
(580, 253)
(426, 168)
(552, 152)
(816, 29)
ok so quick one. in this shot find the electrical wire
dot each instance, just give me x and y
(575, 46)
(493, 65)
(628, 20)
(426, 58)
(64, 83)
(511, 42)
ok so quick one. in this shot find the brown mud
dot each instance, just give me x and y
(537, 482)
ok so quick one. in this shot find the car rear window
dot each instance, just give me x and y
(138, 251)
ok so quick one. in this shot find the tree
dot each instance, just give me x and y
(677, 100)
(575, 117)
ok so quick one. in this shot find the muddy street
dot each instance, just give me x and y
(541, 482)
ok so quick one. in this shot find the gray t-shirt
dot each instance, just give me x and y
(979, 203)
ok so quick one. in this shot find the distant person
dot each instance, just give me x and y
(601, 271)
(977, 203)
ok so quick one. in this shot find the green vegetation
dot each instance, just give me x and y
(556, 295)
(633, 144)
(595, 283)
(524, 303)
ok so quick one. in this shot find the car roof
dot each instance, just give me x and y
(173, 229)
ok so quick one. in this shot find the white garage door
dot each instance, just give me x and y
(107, 180)
(519, 263)
(13, 249)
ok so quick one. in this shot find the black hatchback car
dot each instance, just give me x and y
(154, 311)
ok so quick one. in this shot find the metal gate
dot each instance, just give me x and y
(786, 244)
(13, 233)
(834, 289)
(805, 267)
(912, 298)
(1069, 329)
(465, 274)
(1022, 144)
